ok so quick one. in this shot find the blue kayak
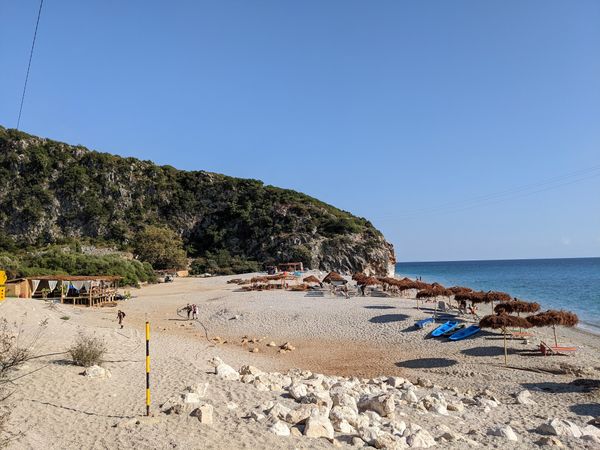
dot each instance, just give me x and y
(444, 328)
(465, 333)
(423, 323)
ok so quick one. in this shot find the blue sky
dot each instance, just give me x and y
(401, 112)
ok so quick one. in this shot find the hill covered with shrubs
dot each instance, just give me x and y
(53, 193)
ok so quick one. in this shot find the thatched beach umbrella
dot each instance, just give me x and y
(517, 306)
(358, 276)
(459, 289)
(334, 276)
(503, 321)
(311, 279)
(553, 318)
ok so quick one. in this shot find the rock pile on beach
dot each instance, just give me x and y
(382, 412)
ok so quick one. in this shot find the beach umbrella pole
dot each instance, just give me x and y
(555, 340)
(505, 350)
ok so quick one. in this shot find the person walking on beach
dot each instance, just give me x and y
(194, 312)
(120, 317)
(188, 309)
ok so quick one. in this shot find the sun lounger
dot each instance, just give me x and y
(521, 334)
(555, 350)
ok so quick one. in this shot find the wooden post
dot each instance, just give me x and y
(90, 295)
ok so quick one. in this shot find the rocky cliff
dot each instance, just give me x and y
(51, 191)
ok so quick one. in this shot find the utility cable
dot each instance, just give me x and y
(37, 23)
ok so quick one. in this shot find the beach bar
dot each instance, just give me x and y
(85, 290)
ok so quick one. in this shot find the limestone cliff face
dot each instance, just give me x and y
(51, 191)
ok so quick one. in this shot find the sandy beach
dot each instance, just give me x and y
(368, 338)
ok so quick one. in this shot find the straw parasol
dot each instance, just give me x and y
(334, 276)
(370, 281)
(459, 289)
(503, 321)
(517, 306)
(553, 318)
(434, 291)
(311, 279)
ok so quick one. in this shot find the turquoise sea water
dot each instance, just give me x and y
(572, 284)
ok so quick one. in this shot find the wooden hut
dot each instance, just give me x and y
(87, 290)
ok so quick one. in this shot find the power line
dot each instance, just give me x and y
(37, 23)
(505, 195)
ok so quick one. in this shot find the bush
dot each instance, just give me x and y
(87, 350)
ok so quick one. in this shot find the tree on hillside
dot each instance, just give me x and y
(161, 247)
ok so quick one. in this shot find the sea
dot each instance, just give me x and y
(572, 284)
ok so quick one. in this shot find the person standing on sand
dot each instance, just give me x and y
(120, 317)
(188, 309)
(194, 311)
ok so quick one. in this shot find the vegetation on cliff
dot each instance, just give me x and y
(51, 193)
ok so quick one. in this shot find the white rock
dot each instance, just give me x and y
(438, 408)
(524, 398)
(199, 388)
(257, 415)
(298, 391)
(487, 403)
(559, 427)
(343, 413)
(398, 427)
(227, 372)
(300, 414)
(410, 397)
(420, 439)
(344, 427)
(504, 431)
(279, 428)
(250, 370)
(395, 382)
(318, 426)
(383, 405)
(247, 379)
(96, 372)
(369, 434)
(321, 399)
(341, 398)
(190, 397)
(204, 414)
(590, 430)
(279, 411)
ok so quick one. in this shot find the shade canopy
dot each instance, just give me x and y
(517, 306)
(334, 276)
(553, 318)
(504, 321)
(311, 279)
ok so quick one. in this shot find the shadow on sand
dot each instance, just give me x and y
(427, 363)
(380, 307)
(387, 318)
(492, 350)
(578, 385)
(586, 409)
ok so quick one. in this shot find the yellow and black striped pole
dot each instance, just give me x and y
(147, 368)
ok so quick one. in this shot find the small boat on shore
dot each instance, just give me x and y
(424, 322)
(444, 328)
(465, 333)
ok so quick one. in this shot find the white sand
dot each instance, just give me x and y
(55, 407)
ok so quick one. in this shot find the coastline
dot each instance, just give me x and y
(363, 337)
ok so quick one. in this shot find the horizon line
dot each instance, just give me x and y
(501, 259)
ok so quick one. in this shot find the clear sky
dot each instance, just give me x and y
(461, 129)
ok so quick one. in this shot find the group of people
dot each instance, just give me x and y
(192, 310)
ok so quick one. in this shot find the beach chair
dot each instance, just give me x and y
(555, 350)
